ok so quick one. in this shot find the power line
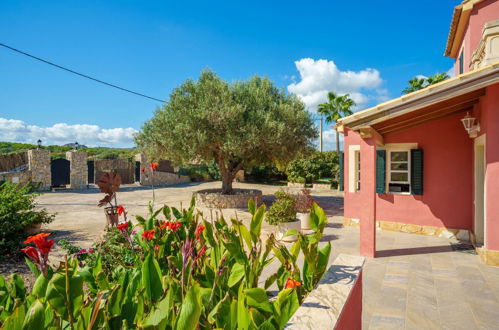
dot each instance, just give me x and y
(80, 74)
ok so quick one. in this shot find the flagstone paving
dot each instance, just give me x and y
(416, 282)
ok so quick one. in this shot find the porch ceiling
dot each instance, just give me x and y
(432, 112)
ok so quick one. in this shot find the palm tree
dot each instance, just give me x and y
(337, 106)
(416, 84)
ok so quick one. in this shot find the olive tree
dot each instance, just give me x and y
(235, 125)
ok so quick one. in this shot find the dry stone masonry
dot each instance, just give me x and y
(39, 166)
(78, 169)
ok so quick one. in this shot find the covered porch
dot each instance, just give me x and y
(411, 164)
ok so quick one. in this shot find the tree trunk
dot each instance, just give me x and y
(227, 178)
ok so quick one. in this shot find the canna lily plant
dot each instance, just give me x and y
(186, 273)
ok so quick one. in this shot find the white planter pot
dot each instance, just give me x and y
(304, 219)
(283, 229)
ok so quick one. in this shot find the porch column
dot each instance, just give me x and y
(368, 193)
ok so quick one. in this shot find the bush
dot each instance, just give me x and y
(183, 274)
(17, 211)
(282, 210)
(201, 172)
(265, 174)
(313, 166)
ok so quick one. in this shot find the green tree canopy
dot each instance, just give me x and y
(418, 83)
(235, 125)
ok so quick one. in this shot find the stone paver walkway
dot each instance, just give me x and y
(416, 282)
(423, 282)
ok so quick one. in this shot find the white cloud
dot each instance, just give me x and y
(318, 77)
(451, 72)
(13, 130)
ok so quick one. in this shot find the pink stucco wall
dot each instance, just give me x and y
(351, 314)
(482, 13)
(448, 178)
(488, 112)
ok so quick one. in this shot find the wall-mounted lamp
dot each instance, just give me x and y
(77, 145)
(468, 123)
(39, 142)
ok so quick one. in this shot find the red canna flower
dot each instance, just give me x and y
(199, 230)
(171, 225)
(32, 254)
(44, 245)
(148, 235)
(290, 284)
(121, 210)
(123, 226)
(36, 237)
(201, 252)
(154, 166)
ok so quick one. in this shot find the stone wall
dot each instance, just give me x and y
(16, 177)
(39, 166)
(336, 302)
(147, 177)
(213, 198)
(78, 169)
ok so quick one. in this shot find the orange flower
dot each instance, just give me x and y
(36, 237)
(121, 209)
(199, 230)
(154, 166)
(148, 235)
(290, 283)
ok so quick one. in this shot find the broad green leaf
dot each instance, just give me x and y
(291, 232)
(243, 316)
(19, 290)
(16, 319)
(251, 206)
(257, 297)
(157, 319)
(36, 272)
(57, 295)
(236, 274)
(151, 278)
(35, 316)
(40, 286)
(256, 223)
(191, 309)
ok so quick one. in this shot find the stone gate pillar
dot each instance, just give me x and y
(39, 167)
(78, 169)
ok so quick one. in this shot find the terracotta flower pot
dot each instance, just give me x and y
(111, 216)
(33, 229)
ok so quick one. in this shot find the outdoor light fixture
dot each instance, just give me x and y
(39, 143)
(469, 126)
(77, 145)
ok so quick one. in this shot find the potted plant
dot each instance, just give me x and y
(109, 184)
(303, 205)
(282, 213)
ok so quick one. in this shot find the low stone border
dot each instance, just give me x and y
(321, 186)
(213, 198)
(460, 234)
(336, 303)
(488, 257)
(296, 185)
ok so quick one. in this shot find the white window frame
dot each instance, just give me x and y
(353, 179)
(390, 171)
(357, 170)
(394, 147)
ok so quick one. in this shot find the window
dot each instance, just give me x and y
(357, 170)
(399, 172)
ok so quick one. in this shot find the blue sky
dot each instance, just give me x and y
(368, 48)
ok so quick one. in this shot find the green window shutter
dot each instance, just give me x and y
(380, 171)
(417, 171)
(340, 160)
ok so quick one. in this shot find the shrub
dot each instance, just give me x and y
(186, 273)
(265, 174)
(282, 210)
(17, 211)
(313, 166)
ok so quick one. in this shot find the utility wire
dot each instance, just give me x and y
(80, 74)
